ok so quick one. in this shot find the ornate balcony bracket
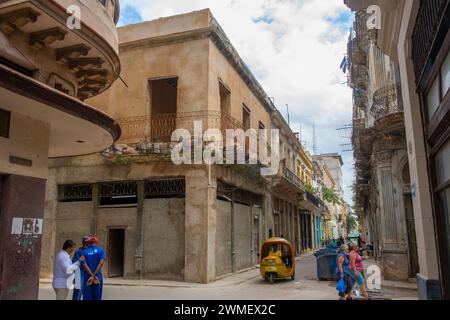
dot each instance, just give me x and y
(92, 84)
(12, 21)
(44, 38)
(64, 55)
(93, 74)
(78, 64)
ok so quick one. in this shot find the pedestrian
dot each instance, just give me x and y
(343, 263)
(78, 292)
(63, 269)
(95, 258)
(357, 269)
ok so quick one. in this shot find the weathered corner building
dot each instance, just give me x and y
(383, 184)
(46, 70)
(415, 34)
(159, 220)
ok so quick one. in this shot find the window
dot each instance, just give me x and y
(445, 75)
(169, 188)
(5, 119)
(246, 117)
(225, 99)
(118, 194)
(163, 109)
(433, 99)
(75, 193)
(261, 125)
(443, 164)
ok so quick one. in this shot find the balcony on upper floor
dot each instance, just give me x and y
(49, 63)
(70, 45)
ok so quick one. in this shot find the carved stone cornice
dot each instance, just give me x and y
(383, 157)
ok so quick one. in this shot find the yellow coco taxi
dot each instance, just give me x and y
(277, 260)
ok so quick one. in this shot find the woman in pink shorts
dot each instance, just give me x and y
(357, 269)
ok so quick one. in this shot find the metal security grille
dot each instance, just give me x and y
(118, 189)
(74, 193)
(165, 188)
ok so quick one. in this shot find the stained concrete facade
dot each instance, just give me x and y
(46, 70)
(217, 221)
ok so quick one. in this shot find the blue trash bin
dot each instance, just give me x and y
(326, 264)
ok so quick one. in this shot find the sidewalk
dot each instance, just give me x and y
(224, 281)
(390, 283)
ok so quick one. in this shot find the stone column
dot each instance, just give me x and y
(22, 211)
(200, 234)
(393, 251)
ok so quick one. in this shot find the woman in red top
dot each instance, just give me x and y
(357, 269)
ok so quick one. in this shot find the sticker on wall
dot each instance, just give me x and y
(27, 226)
(17, 224)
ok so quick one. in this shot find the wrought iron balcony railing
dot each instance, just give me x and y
(293, 178)
(159, 127)
(386, 101)
(427, 26)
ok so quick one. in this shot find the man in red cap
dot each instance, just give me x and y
(77, 293)
(95, 258)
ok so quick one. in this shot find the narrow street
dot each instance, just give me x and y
(242, 286)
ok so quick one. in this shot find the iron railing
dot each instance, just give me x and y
(293, 178)
(428, 20)
(159, 127)
(386, 100)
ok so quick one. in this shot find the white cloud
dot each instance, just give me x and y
(296, 58)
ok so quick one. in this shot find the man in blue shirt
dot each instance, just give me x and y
(92, 265)
(77, 293)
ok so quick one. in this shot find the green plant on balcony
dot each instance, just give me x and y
(309, 188)
(329, 195)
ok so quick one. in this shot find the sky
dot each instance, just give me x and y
(294, 48)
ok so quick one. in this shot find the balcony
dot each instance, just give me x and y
(159, 127)
(49, 62)
(426, 31)
(387, 109)
(83, 60)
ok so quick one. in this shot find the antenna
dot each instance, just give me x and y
(314, 139)
(288, 117)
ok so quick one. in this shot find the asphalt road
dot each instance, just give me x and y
(248, 285)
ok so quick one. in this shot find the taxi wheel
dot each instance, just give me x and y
(272, 278)
(293, 277)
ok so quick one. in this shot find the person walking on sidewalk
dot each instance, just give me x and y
(357, 269)
(343, 263)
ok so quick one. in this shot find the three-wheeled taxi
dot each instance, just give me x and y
(277, 260)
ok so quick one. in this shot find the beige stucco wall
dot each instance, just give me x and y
(29, 139)
(187, 61)
(219, 67)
